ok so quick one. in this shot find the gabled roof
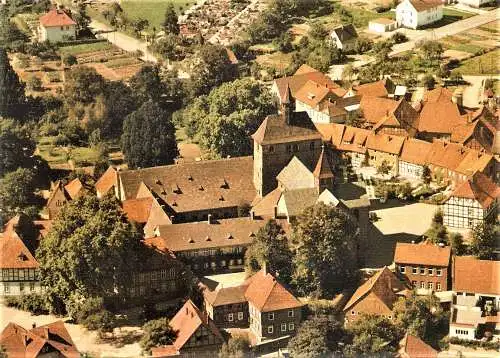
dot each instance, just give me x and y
(296, 200)
(327, 198)
(266, 294)
(354, 139)
(13, 252)
(438, 94)
(403, 115)
(439, 114)
(323, 169)
(203, 185)
(380, 88)
(275, 129)
(385, 143)
(345, 33)
(480, 188)
(74, 188)
(415, 151)
(137, 209)
(225, 296)
(295, 175)
(107, 181)
(424, 5)
(264, 207)
(477, 127)
(312, 94)
(376, 108)
(19, 342)
(446, 155)
(476, 276)
(331, 132)
(186, 323)
(56, 18)
(384, 284)
(414, 347)
(423, 254)
(474, 161)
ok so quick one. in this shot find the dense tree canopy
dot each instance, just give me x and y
(148, 137)
(236, 347)
(12, 96)
(91, 250)
(485, 241)
(319, 336)
(83, 84)
(170, 23)
(16, 146)
(17, 193)
(270, 248)
(325, 243)
(223, 121)
(157, 333)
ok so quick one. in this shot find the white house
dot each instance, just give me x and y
(474, 312)
(471, 203)
(382, 24)
(417, 13)
(475, 3)
(56, 26)
(345, 37)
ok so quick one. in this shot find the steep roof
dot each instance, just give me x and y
(476, 276)
(414, 347)
(265, 207)
(403, 115)
(354, 139)
(380, 88)
(384, 284)
(331, 132)
(56, 18)
(415, 151)
(195, 186)
(480, 188)
(202, 235)
(424, 254)
(438, 94)
(275, 129)
(376, 108)
(107, 181)
(295, 175)
(20, 342)
(74, 188)
(13, 251)
(312, 93)
(297, 200)
(421, 5)
(266, 294)
(345, 33)
(474, 161)
(446, 155)
(137, 209)
(225, 296)
(323, 169)
(385, 143)
(477, 127)
(439, 114)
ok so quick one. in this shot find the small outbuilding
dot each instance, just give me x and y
(382, 24)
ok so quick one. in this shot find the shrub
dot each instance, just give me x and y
(475, 344)
(33, 303)
(399, 37)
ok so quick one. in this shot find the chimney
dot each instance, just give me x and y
(209, 219)
(33, 325)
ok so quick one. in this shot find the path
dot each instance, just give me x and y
(451, 29)
(473, 94)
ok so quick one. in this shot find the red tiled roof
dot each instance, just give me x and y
(439, 114)
(438, 94)
(137, 209)
(446, 155)
(476, 276)
(265, 207)
(414, 347)
(56, 18)
(354, 139)
(106, 181)
(225, 295)
(421, 5)
(385, 143)
(266, 294)
(311, 93)
(373, 89)
(473, 162)
(331, 132)
(74, 188)
(424, 254)
(375, 108)
(415, 151)
(480, 188)
(13, 251)
(323, 169)
(275, 129)
(19, 342)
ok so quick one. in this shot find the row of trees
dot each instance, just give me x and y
(320, 257)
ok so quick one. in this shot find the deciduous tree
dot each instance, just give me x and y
(236, 347)
(157, 333)
(485, 240)
(83, 84)
(170, 22)
(12, 96)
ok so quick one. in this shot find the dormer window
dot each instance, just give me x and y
(22, 257)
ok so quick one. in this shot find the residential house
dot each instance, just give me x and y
(384, 148)
(375, 296)
(476, 301)
(425, 266)
(107, 183)
(227, 306)
(382, 25)
(60, 194)
(212, 245)
(146, 211)
(476, 132)
(401, 119)
(56, 26)
(345, 37)
(50, 340)
(197, 335)
(384, 88)
(475, 3)
(191, 191)
(274, 311)
(472, 202)
(413, 158)
(417, 13)
(19, 270)
(413, 347)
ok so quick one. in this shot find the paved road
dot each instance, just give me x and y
(451, 29)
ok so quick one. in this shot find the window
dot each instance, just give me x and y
(438, 286)
(62, 28)
(21, 287)
(402, 269)
(430, 271)
(6, 288)
(414, 270)
(422, 284)
(270, 316)
(230, 317)
(439, 272)
(240, 316)
(353, 313)
(311, 146)
(283, 327)
(414, 283)
(422, 270)
(430, 285)
(289, 148)
(270, 329)
(290, 313)
(291, 326)
(271, 149)
(295, 147)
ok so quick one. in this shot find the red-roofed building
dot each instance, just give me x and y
(107, 183)
(56, 26)
(425, 266)
(472, 202)
(414, 347)
(197, 335)
(60, 194)
(413, 157)
(50, 340)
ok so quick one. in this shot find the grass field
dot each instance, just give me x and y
(152, 10)
(60, 155)
(83, 48)
(449, 16)
(481, 65)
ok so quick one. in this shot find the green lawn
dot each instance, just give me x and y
(59, 155)
(449, 16)
(83, 48)
(362, 17)
(480, 65)
(152, 10)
